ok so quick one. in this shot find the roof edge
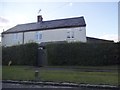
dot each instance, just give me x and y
(42, 29)
(100, 39)
(7, 31)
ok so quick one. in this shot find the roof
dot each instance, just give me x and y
(45, 25)
(97, 40)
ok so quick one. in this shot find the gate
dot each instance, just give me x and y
(42, 56)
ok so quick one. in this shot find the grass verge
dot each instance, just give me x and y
(59, 75)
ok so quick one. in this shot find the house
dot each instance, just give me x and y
(60, 30)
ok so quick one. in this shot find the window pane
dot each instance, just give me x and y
(72, 34)
(68, 34)
(38, 36)
(15, 36)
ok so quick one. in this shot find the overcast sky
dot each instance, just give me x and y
(101, 17)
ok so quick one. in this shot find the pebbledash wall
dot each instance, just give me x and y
(73, 34)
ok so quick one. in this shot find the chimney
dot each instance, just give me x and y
(39, 18)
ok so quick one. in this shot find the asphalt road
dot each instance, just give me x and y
(11, 86)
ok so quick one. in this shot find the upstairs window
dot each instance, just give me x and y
(15, 36)
(38, 36)
(70, 34)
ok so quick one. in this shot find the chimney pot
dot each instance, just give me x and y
(39, 18)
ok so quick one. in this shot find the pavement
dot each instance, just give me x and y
(33, 85)
(8, 86)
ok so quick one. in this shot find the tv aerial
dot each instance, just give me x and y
(39, 11)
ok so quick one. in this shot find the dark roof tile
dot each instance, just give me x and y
(45, 25)
(97, 40)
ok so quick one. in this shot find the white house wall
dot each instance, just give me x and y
(46, 36)
(29, 37)
(61, 35)
(56, 35)
(12, 39)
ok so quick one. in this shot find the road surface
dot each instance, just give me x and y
(11, 86)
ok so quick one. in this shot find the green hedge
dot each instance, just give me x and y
(20, 55)
(63, 54)
(82, 54)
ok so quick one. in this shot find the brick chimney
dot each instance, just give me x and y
(39, 18)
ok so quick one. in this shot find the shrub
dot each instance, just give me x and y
(82, 54)
(20, 55)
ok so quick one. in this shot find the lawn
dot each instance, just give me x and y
(63, 74)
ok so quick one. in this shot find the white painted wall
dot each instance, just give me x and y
(52, 35)
(12, 39)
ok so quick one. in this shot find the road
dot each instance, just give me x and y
(11, 86)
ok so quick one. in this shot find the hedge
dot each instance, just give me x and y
(83, 54)
(64, 54)
(20, 55)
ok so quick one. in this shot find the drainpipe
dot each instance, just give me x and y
(23, 38)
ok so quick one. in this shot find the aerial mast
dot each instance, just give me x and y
(39, 11)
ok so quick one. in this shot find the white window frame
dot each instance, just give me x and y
(15, 36)
(38, 36)
(70, 34)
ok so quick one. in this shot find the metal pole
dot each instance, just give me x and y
(36, 75)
